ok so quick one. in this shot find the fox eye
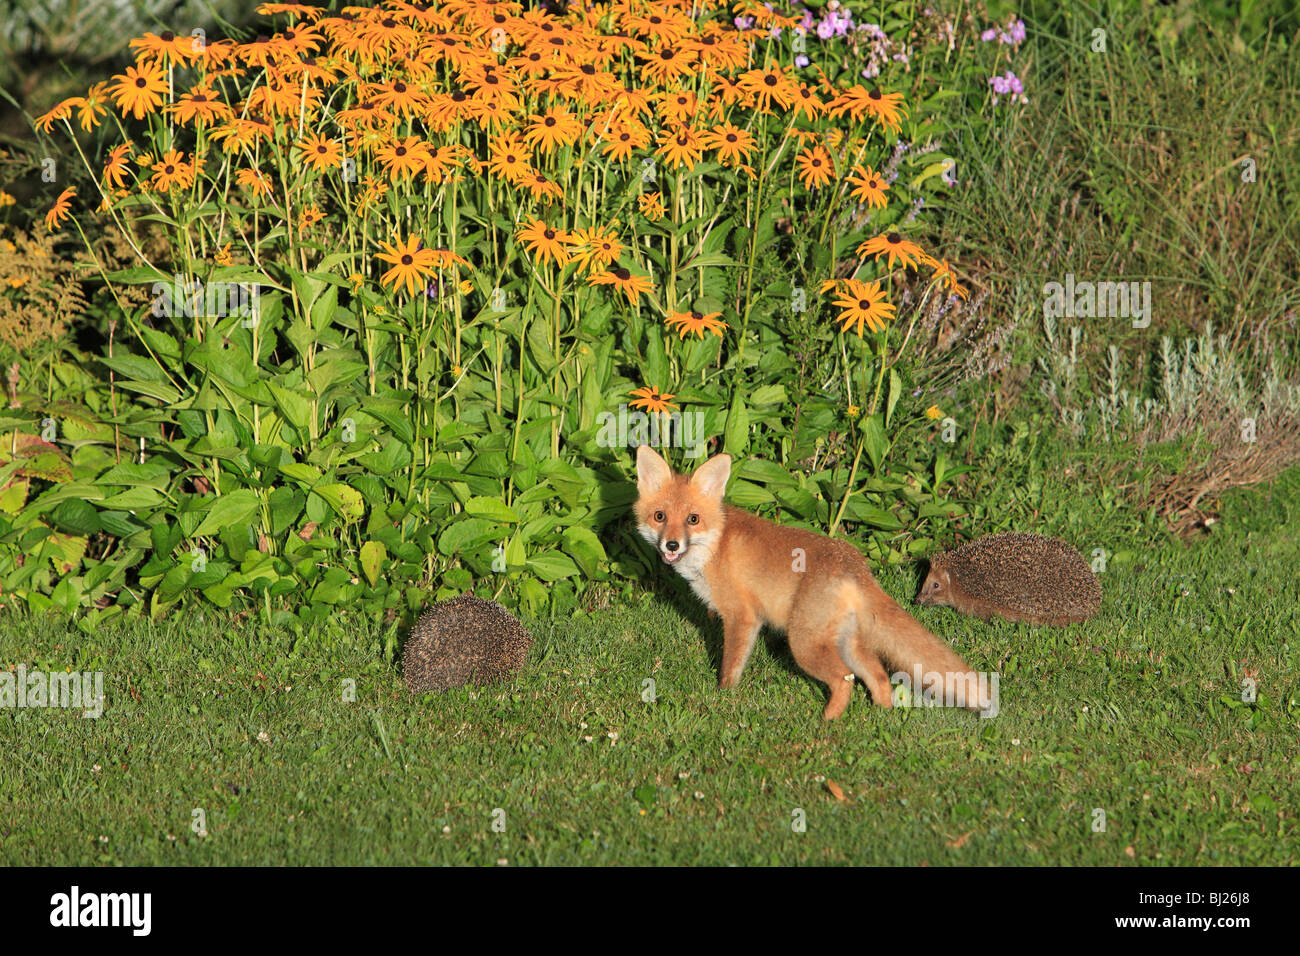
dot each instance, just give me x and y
(693, 519)
(659, 516)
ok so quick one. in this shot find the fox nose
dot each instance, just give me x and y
(672, 545)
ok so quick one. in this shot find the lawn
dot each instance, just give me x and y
(1137, 714)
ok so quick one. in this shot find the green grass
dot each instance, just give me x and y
(1137, 713)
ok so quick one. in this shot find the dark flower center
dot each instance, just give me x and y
(864, 304)
(140, 82)
(667, 54)
(894, 238)
(167, 36)
(169, 169)
(400, 151)
(549, 121)
(407, 260)
(399, 87)
(872, 183)
(874, 94)
(731, 137)
(622, 274)
(770, 79)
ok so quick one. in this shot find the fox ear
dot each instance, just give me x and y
(711, 477)
(652, 472)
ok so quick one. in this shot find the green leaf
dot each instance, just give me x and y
(493, 508)
(373, 555)
(895, 390)
(874, 441)
(345, 500)
(552, 565)
(736, 438)
(234, 507)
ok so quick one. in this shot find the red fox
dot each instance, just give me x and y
(816, 589)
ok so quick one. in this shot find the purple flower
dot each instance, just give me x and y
(999, 85)
(1018, 32)
(825, 30)
(801, 61)
(743, 23)
(806, 23)
(988, 34)
(1014, 85)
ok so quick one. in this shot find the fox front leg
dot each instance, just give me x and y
(738, 635)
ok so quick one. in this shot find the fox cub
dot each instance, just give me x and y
(816, 589)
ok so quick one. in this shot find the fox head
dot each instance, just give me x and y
(680, 515)
(937, 587)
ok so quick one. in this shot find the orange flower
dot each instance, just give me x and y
(624, 279)
(696, 322)
(60, 210)
(893, 246)
(869, 186)
(651, 399)
(410, 263)
(320, 153)
(815, 167)
(172, 170)
(140, 92)
(116, 168)
(546, 243)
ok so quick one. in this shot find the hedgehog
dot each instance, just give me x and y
(466, 640)
(1018, 577)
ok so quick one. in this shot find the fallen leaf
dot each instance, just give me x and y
(960, 842)
(835, 790)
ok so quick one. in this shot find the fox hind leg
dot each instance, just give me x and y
(814, 642)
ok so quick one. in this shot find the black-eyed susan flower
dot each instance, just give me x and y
(696, 322)
(768, 86)
(680, 146)
(651, 206)
(117, 167)
(60, 210)
(411, 265)
(857, 102)
(732, 143)
(651, 399)
(862, 303)
(404, 157)
(139, 91)
(894, 248)
(253, 181)
(943, 273)
(868, 186)
(309, 217)
(624, 279)
(509, 157)
(554, 128)
(815, 167)
(544, 242)
(172, 171)
(595, 248)
(320, 153)
(201, 103)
